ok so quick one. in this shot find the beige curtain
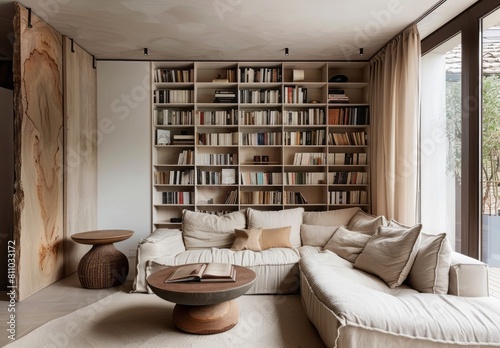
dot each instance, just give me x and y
(394, 99)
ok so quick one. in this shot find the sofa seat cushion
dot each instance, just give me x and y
(356, 300)
(276, 268)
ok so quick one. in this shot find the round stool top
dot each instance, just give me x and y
(102, 236)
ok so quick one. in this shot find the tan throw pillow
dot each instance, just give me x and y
(315, 235)
(279, 218)
(347, 244)
(430, 271)
(202, 230)
(366, 223)
(276, 238)
(390, 253)
(336, 217)
(247, 240)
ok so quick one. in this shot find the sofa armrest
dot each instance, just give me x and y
(161, 242)
(468, 276)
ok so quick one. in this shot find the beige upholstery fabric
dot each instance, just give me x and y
(316, 235)
(247, 239)
(279, 218)
(390, 253)
(201, 230)
(431, 268)
(275, 238)
(330, 218)
(366, 223)
(347, 244)
(468, 276)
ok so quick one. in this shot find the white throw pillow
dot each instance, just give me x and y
(202, 230)
(337, 217)
(279, 218)
(366, 223)
(390, 253)
(347, 244)
(431, 268)
(316, 235)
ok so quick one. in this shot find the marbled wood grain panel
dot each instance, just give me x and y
(38, 133)
(81, 137)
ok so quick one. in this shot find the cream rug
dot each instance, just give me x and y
(141, 320)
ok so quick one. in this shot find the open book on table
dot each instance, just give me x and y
(204, 272)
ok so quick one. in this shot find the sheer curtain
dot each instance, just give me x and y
(394, 98)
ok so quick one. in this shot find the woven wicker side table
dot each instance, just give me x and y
(103, 266)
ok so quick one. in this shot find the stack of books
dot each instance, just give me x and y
(337, 96)
(225, 96)
(183, 139)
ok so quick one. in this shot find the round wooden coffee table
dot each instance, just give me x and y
(103, 266)
(203, 307)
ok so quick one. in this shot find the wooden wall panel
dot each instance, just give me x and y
(80, 147)
(38, 146)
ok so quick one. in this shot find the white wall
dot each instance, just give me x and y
(123, 151)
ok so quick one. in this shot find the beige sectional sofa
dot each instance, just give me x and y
(364, 281)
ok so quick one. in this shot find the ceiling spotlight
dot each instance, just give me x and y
(286, 51)
(361, 51)
(146, 52)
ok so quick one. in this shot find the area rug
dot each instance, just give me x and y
(142, 320)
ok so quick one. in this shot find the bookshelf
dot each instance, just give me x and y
(267, 135)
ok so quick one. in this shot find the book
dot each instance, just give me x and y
(203, 272)
(162, 137)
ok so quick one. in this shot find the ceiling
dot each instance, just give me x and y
(231, 29)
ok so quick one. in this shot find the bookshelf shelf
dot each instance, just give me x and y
(258, 108)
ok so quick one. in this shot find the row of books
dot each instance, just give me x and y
(348, 178)
(232, 197)
(261, 197)
(215, 212)
(218, 138)
(305, 178)
(173, 75)
(312, 137)
(167, 117)
(260, 75)
(294, 198)
(339, 158)
(208, 177)
(337, 96)
(348, 197)
(217, 117)
(260, 96)
(217, 159)
(346, 138)
(295, 95)
(174, 177)
(261, 117)
(173, 197)
(309, 158)
(186, 157)
(358, 115)
(264, 138)
(180, 96)
(312, 116)
(261, 178)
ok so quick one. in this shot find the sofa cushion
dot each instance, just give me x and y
(390, 253)
(275, 238)
(316, 235)
(247, 239)
(201, 230)
(330, 218)
(280, 218)
(366, 223)
(431, 268)
(347, 244)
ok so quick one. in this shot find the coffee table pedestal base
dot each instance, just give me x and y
(208, 319)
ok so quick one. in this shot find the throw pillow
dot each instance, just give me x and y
(430, 271)
(330, 218)
(276, 238)
(347, 244)
(390, 253)
(366, 223)
(316, 235)
(202, 230)
(280, 218)
(247, 240)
